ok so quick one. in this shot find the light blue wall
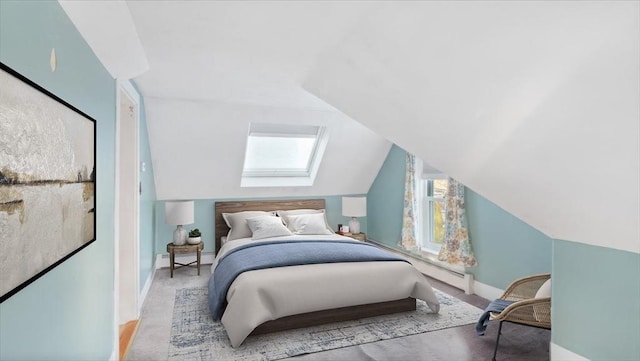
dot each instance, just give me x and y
(204, 213)
(147, 203)
(596, 290)
(596, 301)
(385, 200)
(506, 248)
(68, 313)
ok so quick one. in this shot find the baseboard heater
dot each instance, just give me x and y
(463, 281)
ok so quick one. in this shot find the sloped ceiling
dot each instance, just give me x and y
(198, 149)
(109, 30)
(215, 67)
(534, 105)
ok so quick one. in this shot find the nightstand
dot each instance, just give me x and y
(360, 236)
(186, 248)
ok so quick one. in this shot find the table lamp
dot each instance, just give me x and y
(354, 207)
(179, 213)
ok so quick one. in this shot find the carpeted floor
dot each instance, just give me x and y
(196, 336)
(456, 343)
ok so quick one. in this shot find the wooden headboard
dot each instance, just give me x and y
(231, 207)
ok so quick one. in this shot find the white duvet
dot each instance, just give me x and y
(263, 295)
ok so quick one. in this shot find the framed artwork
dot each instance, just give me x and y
(47, 181)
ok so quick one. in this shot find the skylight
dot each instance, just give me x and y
(282, 154)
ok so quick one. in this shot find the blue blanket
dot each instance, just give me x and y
(261, 255)
(495, 306)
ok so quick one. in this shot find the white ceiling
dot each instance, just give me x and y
(198, 149)
(534, 105)
(215, 67)
(118, 48)
(255, 52)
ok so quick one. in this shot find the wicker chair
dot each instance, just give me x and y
(526, 310)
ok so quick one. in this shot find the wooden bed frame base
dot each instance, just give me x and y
(335, 315)
(311, 318)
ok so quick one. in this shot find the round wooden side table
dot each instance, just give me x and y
(185, 248)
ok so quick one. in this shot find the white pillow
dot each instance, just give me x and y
(541, 313)
(544, 290)
(312, 223)
(266, 227)
(295, 212)
(237, 222)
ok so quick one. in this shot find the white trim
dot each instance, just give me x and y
(145, 290)
(486, 291)
(115, 351)
(292, 177)
(434, 176)
(116, 237)
(115, 354)
(206, 258)
(560, 353)
(125, 87)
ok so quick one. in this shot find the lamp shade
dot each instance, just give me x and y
(178, 212)
(354, 206)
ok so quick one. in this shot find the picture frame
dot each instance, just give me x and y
(47, 181)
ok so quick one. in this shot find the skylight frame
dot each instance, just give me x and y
(304, 176)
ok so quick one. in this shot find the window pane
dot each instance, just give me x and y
(438, 222)
(279, 153)
(433, 213)
(283, 155)
(440, 187)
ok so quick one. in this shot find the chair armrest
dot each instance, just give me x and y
(533, 312)
(525, 288)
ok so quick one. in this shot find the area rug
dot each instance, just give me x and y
(196, 336)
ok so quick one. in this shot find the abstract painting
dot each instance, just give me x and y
(47, 181)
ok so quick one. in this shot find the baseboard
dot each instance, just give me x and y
(162, 260)
(115, 347)
(145, 289)
(560, 353)
(486, 291)
(463, 281)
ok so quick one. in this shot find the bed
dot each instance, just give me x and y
(292, 296)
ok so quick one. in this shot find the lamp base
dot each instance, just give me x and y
(179, 236)
(354, 225)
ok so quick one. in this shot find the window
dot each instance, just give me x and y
(282, 154)
(431, 189)
(432, 204)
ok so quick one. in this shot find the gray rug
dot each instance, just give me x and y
(195, 336)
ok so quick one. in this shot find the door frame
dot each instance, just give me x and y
(125, 88)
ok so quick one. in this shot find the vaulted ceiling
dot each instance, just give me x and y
(534, 105)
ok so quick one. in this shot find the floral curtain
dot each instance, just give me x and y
(457, 245)
(408, 241)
